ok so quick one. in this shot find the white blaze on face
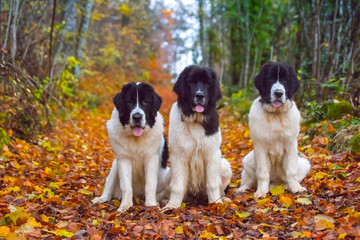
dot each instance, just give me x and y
(137, 128)
(277, 87)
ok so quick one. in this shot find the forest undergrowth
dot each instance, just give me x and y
(47, 186)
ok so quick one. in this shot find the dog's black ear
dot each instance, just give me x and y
(216, 91)
(293, 81)
(118, 100)
(179, 86)
(157, 103)
(260, 79)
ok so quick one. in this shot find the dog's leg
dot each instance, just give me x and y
(110, 184)
(162, 190)
(248, 175)
(291, 167)
(151, 180)
(178, 180)
(262, 166)
(225, 175)
(213, 177)
(125, 173)
(303, 168)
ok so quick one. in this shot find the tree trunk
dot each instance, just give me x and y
(201, 31)
(51, 38)
(13, 29)
(63, 50)
(82, 36)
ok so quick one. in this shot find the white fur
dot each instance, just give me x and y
(196, 163)
(274, 159)
(136, 171)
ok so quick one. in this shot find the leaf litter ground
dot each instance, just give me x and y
(47, 187)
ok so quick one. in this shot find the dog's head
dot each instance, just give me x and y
(276, 83)
(198, 90)
(137, 104)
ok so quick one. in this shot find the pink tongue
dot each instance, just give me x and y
(137, 132)
(276, 104)
(199, 108)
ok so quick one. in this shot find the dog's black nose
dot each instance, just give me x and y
(137, 116)
(200, 95)
(278, 93)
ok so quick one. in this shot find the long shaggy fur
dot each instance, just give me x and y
(194, 139)
(140, 168)
(274, 123)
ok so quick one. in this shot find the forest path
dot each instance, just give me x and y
(47, 188)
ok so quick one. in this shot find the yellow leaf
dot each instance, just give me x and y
(14, 189)
(323, 222)
(342, 236)
(44, 218)
(125, 9)
(179, 230)
(86, 192)
(32, 221)
(263, 201)
(4, 231)
(206, 235)
(54, 185)
(64, 233)
(95, 222)
(48, 170)
(8, 179)
(7, 154)
(242, 215)
(277, 190)
(117, 223)
(35, 163)
(183, 205)
(321, 175)
(286, 202)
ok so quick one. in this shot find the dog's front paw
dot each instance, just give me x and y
(225, 199)
(123, 207)
(242, 189)
(260, 194)
(169, 206)
(298, 189)
(151, 204)
(99, 200)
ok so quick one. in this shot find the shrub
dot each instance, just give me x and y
(338, 109)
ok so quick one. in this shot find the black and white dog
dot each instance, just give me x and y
(136, 135)
(274, 123)
(195, 138)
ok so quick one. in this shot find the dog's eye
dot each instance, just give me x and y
(128, 102)
(144, 102)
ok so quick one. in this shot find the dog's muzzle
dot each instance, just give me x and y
(199, 101)
(137, 123)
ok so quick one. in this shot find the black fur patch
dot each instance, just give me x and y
(268, 75)
(164, 154)
(126, 100)
(192, 79)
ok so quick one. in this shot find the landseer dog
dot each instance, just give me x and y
(274, 123)
(194, 139)
(136, 135)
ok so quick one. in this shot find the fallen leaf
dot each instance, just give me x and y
(277, 190)
(323, 222)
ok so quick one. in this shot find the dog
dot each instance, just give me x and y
(194, 139)
(136, 134)
(274, 123)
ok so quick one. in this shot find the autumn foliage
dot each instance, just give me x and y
(47, 187)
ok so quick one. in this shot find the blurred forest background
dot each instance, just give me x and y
(52, 49)
(62, 61)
